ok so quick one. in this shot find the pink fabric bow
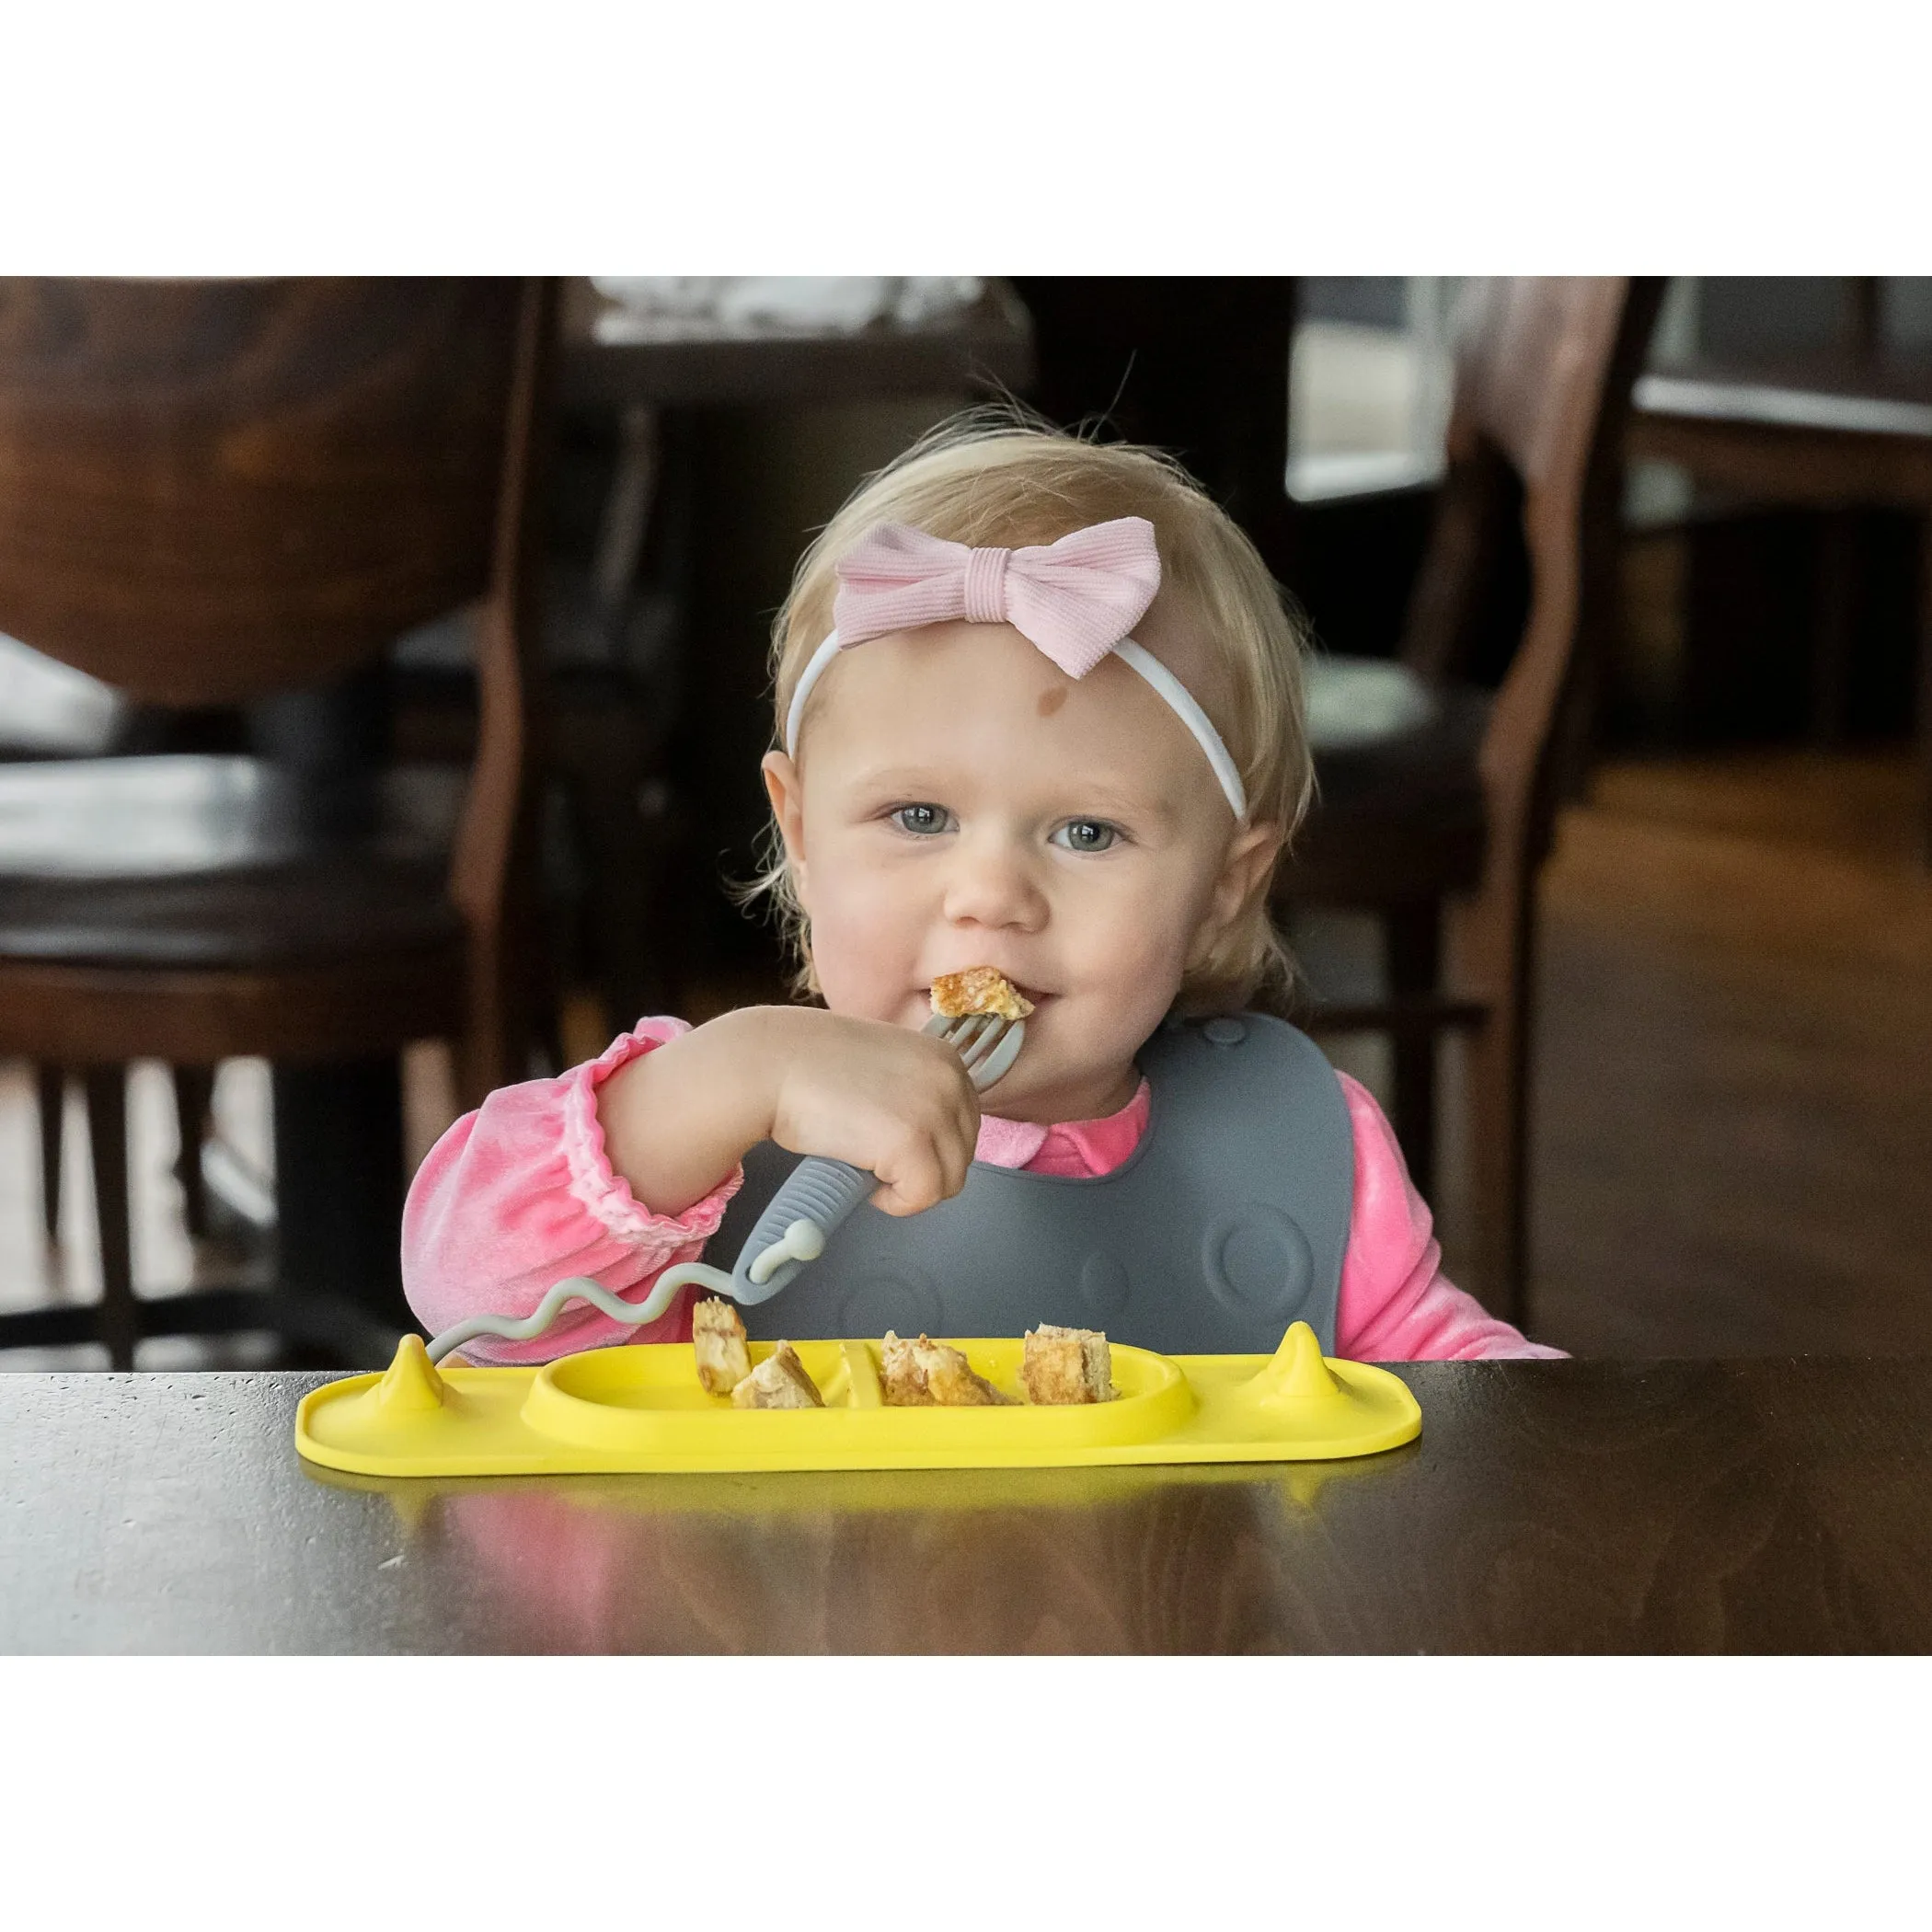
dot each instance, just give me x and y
(1075, 599)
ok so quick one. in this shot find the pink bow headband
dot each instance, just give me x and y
(1075, 600)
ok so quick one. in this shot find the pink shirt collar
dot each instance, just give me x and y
(1082, 1148)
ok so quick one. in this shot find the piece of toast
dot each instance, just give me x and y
(950, 1382)
(781, 1381)
(902, 1381)
(717, 1340)
(980, 989)
(930, 1374)
(1062, 1366)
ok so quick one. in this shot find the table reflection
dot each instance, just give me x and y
(967, 1560)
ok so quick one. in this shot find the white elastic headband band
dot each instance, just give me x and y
(1166, 687)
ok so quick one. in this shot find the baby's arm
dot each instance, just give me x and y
(522, 1192)
(891, 1101)
(1395, 1303)
(622, 1167)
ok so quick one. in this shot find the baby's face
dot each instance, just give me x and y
(958, 802)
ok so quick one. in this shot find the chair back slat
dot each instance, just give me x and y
(1533, 369)
(213, 490)
(1544, 374)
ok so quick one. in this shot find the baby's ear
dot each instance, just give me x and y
(787, 793)
(1252, 854)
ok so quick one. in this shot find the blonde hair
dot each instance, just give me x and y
(998, 476)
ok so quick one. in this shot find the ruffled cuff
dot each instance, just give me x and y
(596, 1186)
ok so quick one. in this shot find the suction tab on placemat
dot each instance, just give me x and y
(1296, 1375)
(411, 1386)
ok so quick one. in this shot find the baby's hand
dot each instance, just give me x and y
(675, 1121)
(895, 1102)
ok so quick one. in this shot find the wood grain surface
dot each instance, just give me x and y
(1779, 1505)
(212, 490)
(1735, 1123)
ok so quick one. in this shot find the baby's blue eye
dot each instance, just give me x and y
(1086, 836)
(920, 819)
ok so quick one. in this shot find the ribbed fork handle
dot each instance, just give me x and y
(821, 1192)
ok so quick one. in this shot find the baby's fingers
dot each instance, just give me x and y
(955, 1140)
(916, 1176)
(957, 1149)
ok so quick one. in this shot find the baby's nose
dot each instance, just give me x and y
(990, 883)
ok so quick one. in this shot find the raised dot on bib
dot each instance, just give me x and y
(1257, 1258)
(1104, 1286)
(909, 1305)
(1223, 1032)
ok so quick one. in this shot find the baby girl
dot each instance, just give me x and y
(1037, 707)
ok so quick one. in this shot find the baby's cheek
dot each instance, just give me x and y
(1132, 942)
(1135, 970)
(859, 946)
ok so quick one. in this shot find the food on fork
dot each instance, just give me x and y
(1063, 1365)
(980, 989)
(718, 1338)
(928, 1374)
(781, 1381)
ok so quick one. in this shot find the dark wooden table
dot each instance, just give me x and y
(1568, 1507)
(1833, 432)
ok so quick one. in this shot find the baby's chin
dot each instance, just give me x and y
(1053, 1090)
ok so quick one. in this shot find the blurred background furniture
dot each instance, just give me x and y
(1834, 431)
(51, 710)
(1194, 364)
(658, 624)
(238, 495)
(1440, 775)
(617, 356)
(654, 625)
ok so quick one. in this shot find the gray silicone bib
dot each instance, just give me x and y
(1227, 1223)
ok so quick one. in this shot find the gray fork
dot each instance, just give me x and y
(818, 1194)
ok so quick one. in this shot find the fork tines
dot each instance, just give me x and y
(987, 1044)
(973, 1036)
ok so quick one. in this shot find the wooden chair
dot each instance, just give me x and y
(1834, 433)
(211, 493)
(50, 710)
(1437, 796)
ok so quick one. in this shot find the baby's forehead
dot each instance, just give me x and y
(1178, 633)
(1172, 630)
(979, 701)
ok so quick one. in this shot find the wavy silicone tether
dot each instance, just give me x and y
(801, 1241)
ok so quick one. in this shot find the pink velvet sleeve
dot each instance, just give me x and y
(1397, 1305)
(520, 1193)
